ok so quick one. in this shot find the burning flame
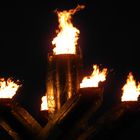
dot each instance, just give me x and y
(44, 105)
(50, 97)
(8, 88)
(95, 78)
(131, 91)
(67, 35)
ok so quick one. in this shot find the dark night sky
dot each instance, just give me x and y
(109, 35)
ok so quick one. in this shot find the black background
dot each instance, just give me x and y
(109, 35)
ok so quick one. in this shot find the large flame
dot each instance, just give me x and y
(44, 105)
(67, 34)
(95, 78)
(131, 91)
(8, 88)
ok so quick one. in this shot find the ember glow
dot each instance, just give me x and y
(96, 77)
(44, 105)
(8, 88)
(67, 35)
(131, 90)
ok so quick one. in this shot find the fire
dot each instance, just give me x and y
(131, 91)
(95, 78)
(8, 88)
(51, 98)
(67, 34)
(44, 105)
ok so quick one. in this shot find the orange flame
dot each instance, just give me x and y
(95, 78)
(44, 105)
(8, 88)
(50, 97)
(67, 35)
(131, 91)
